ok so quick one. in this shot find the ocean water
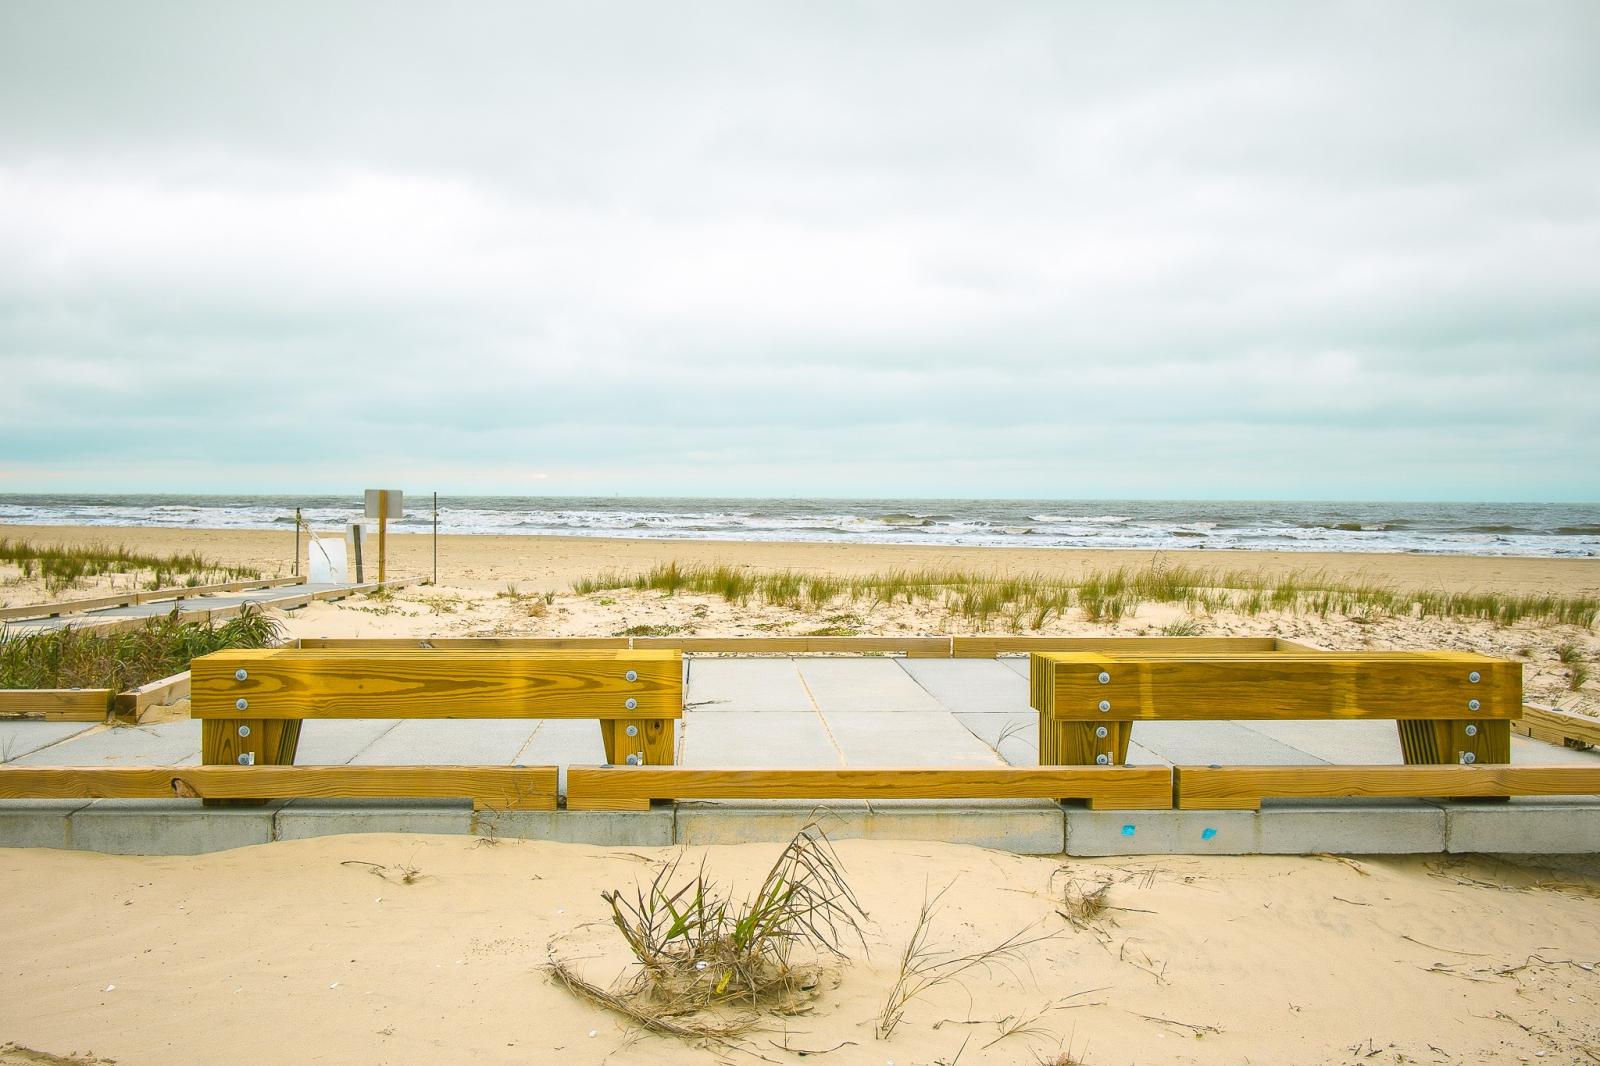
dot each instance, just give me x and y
(1523, 529)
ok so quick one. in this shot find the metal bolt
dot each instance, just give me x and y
(1102, 760)
(1474, 677)
(244, 731)
(1468, 757)
(1101, 731)
(633, 731)
(631, 675)
(630, 703)
(247, 759)
(1473, 705)
(636, 760)
(1105, 678)
(1105, 705)
(240, 674)
(241, 703)
(1472, 730)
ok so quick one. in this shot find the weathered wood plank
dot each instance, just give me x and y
(633, 788)
(130, 705)
(464, 643)
(501, 787)
(1282, 685)
(1244, 787)
(987, 647)
(56, 704)
(446, 683)
(1558, 727)
(124, 599)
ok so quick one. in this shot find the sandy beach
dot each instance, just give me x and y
(317, 951)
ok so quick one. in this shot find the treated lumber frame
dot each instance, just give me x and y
(912, 647)
(1555, 726)
(489, 787)
(128, 707)
(55, 704)
(1244, 787)
(595, 788)
(1448, 706)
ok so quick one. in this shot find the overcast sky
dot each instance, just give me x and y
(1190, 250)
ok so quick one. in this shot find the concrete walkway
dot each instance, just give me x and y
(808, 712)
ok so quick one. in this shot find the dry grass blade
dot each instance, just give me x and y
(1084, 903)
(656, 1022)
(924, 967)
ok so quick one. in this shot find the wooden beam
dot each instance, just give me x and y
(1278, 685)
(130, 705)
(1558, 727)
(634, 787)
(465, 643)
(987, 647)
(300, 683)
(56, 704)
(1244, 787)
(124, 599)
(500, 787)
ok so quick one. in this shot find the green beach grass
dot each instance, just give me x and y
(62, 568)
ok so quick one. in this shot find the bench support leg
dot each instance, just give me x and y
(1426, 742)
(1080, 743)
(651, 740)
(268, 742)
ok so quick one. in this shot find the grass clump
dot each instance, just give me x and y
(708, 965)
(86, 658)
(63, 566)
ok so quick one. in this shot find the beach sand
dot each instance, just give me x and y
(297, 952)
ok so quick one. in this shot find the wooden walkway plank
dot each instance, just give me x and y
(1244, 787)
(633, 788)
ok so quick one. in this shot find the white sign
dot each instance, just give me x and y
(395, 504)
(328, 561)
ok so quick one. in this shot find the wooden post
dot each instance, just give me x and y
(436, 538)
(355, 544)
(247, 742)
(297, 542)
(383, 530)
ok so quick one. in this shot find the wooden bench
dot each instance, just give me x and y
(251, 703)
(1451, 707)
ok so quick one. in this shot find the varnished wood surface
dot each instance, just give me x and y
(56, 704)
(1558, 727)
(632, 788)
(1276, 685)
(1244, 787)
(504, 787)
(445, 683)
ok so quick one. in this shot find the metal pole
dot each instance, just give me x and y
(297, 542)
(435, 538)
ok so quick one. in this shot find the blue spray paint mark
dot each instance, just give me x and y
(1127, 830)
(1207, 834)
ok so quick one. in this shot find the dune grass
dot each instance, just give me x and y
(63, 566)
(1031, 601)
(86, 658)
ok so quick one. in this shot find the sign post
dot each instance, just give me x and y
(384, 504)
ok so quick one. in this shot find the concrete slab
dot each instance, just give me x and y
(163, 744)
(1025, 827)
(1016, 663)
(1204, 743)
(755, 686)
(332, 741)
(301, 819)
(907, 738)
(858, 685)
(1356, 743)
(1524, 825)
(719, 739)
(1542, 753)
(24, 738)
(451, 742)
(1281, 827)
(1014, 736)
(169, 827)
(768, 821)
(636, 829)
(971, 686)
(37, 823)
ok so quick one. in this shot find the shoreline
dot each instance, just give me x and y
(547, 562)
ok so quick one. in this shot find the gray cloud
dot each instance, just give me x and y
(1186, 250)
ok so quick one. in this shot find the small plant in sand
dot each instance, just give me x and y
(1577, 677)
(710, 966)
(1083, 903)
(1568, 653)
(924, 967)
